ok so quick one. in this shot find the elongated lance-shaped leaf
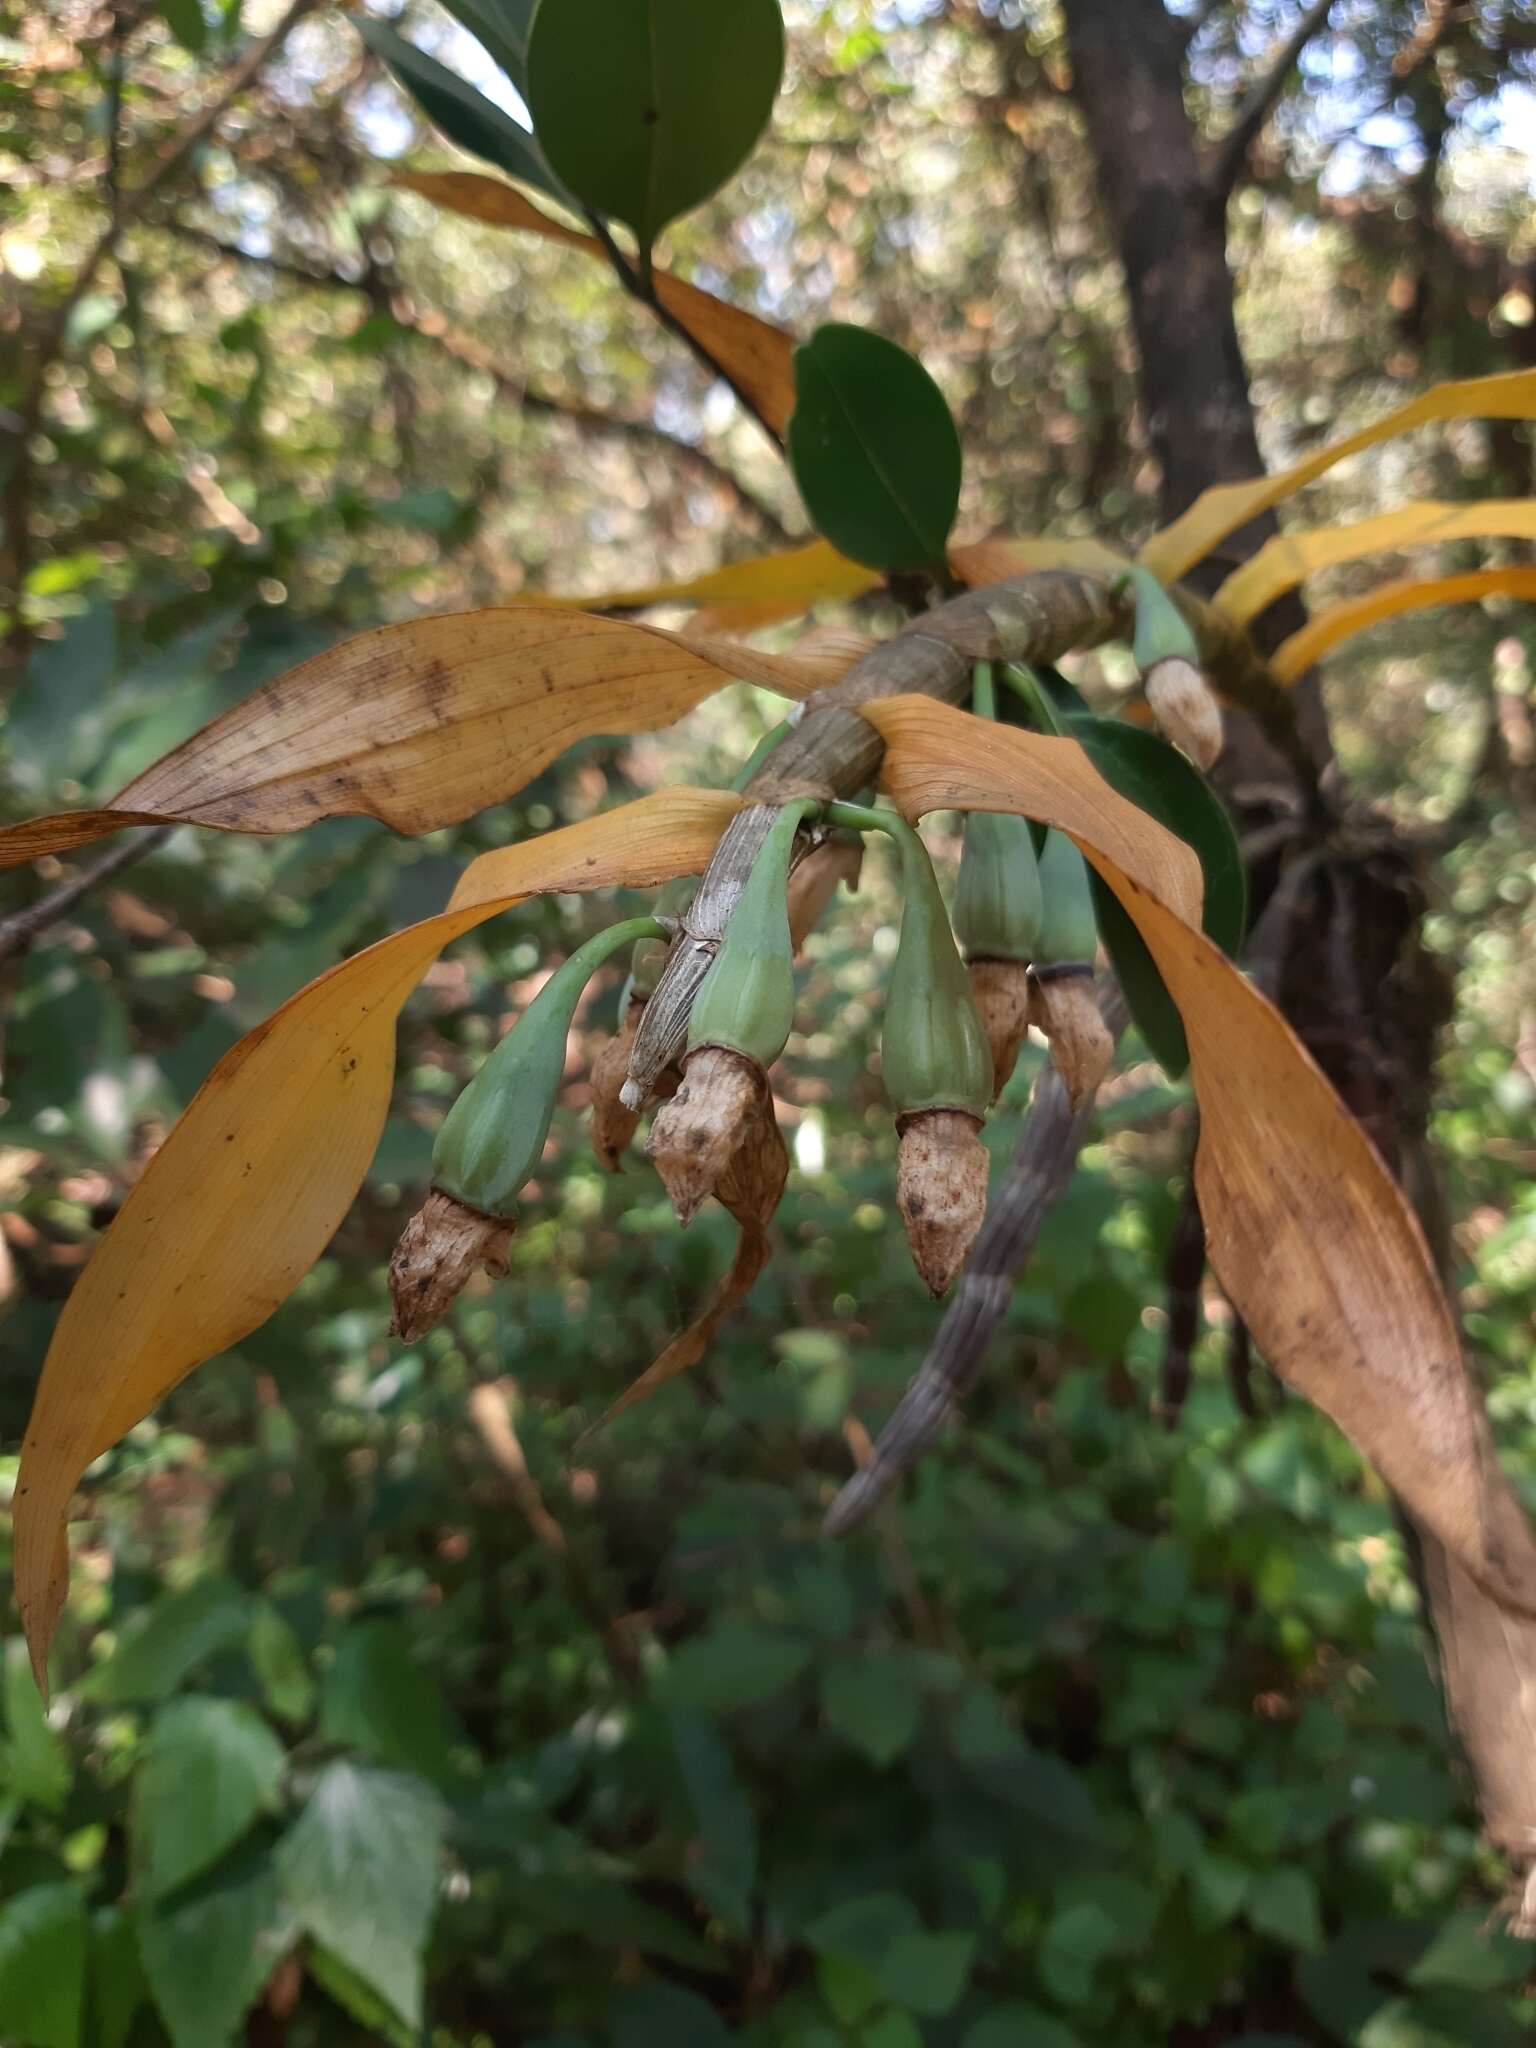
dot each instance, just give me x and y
(1221, 510)
(465, 116)
(424, 723)
(1328, 628)
(1312, 1241)
(250, 1186)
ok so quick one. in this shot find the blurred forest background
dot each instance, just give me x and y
(381, 1716)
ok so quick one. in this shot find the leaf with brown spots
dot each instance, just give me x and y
(424, 723)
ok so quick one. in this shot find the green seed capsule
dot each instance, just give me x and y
(492, 1137)
(1069, 930)
(1162, 633)
(747, 1001)
(933, 1049)
(998, 903)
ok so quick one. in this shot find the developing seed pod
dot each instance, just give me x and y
(997, 920)
(938, 1077)
(1063, 1003)
(1169, 660)
(490, 1143)
(739, 1023)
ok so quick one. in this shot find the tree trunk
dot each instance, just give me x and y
(1354, 979)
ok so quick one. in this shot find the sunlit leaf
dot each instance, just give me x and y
(1339, 622)
(210, 1948)
(359, 1873)
(755, 352)
(1225, 507)
(646, 107)
(755, 592)
(1290, 558)
(465, 116)
(424, 723)
(874, 449)
(1307, 1232)
(250, 1186)
(210, 1768)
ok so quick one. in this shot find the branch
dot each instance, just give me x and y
(831, 751)
(430, 327)
(641, 285)
(18, 932)
(1231, 152)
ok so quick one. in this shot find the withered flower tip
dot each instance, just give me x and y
(1066, 1009)
(441, 1248)
(697, 1134)
(1001, 992)
(941, 1190)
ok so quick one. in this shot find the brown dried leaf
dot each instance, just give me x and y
(422, 724)
(1311, 1239)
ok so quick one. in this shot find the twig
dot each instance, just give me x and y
(641, 285)
(18, 931)
(1036, 1179)
(431, 328)
(1232, 151)
(490, 1410)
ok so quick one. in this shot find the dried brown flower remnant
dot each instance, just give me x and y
(1001, 992)
(1066, 1009)
(813, 883)
(941, 1190)
(441, 1248)
(1186, 709)
(613, 1121)
(697, 1134)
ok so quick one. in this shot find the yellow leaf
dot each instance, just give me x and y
(1340, 622)
(254, 1179)
(1307, 1232)
(755, 352)
(1225, 507)
(754, 593)
(424, 723)
(989, 561)
(1290, 558)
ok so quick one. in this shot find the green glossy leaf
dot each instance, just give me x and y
(874, 449)
(1158, 779)
(34, 1764)
(645, 107)
(42, 1967)
(209, 1950)
(166, 1643)
(465, 116)
(211, 1767)
(359, 1873)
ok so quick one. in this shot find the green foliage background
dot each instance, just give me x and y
(1104, 1733)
